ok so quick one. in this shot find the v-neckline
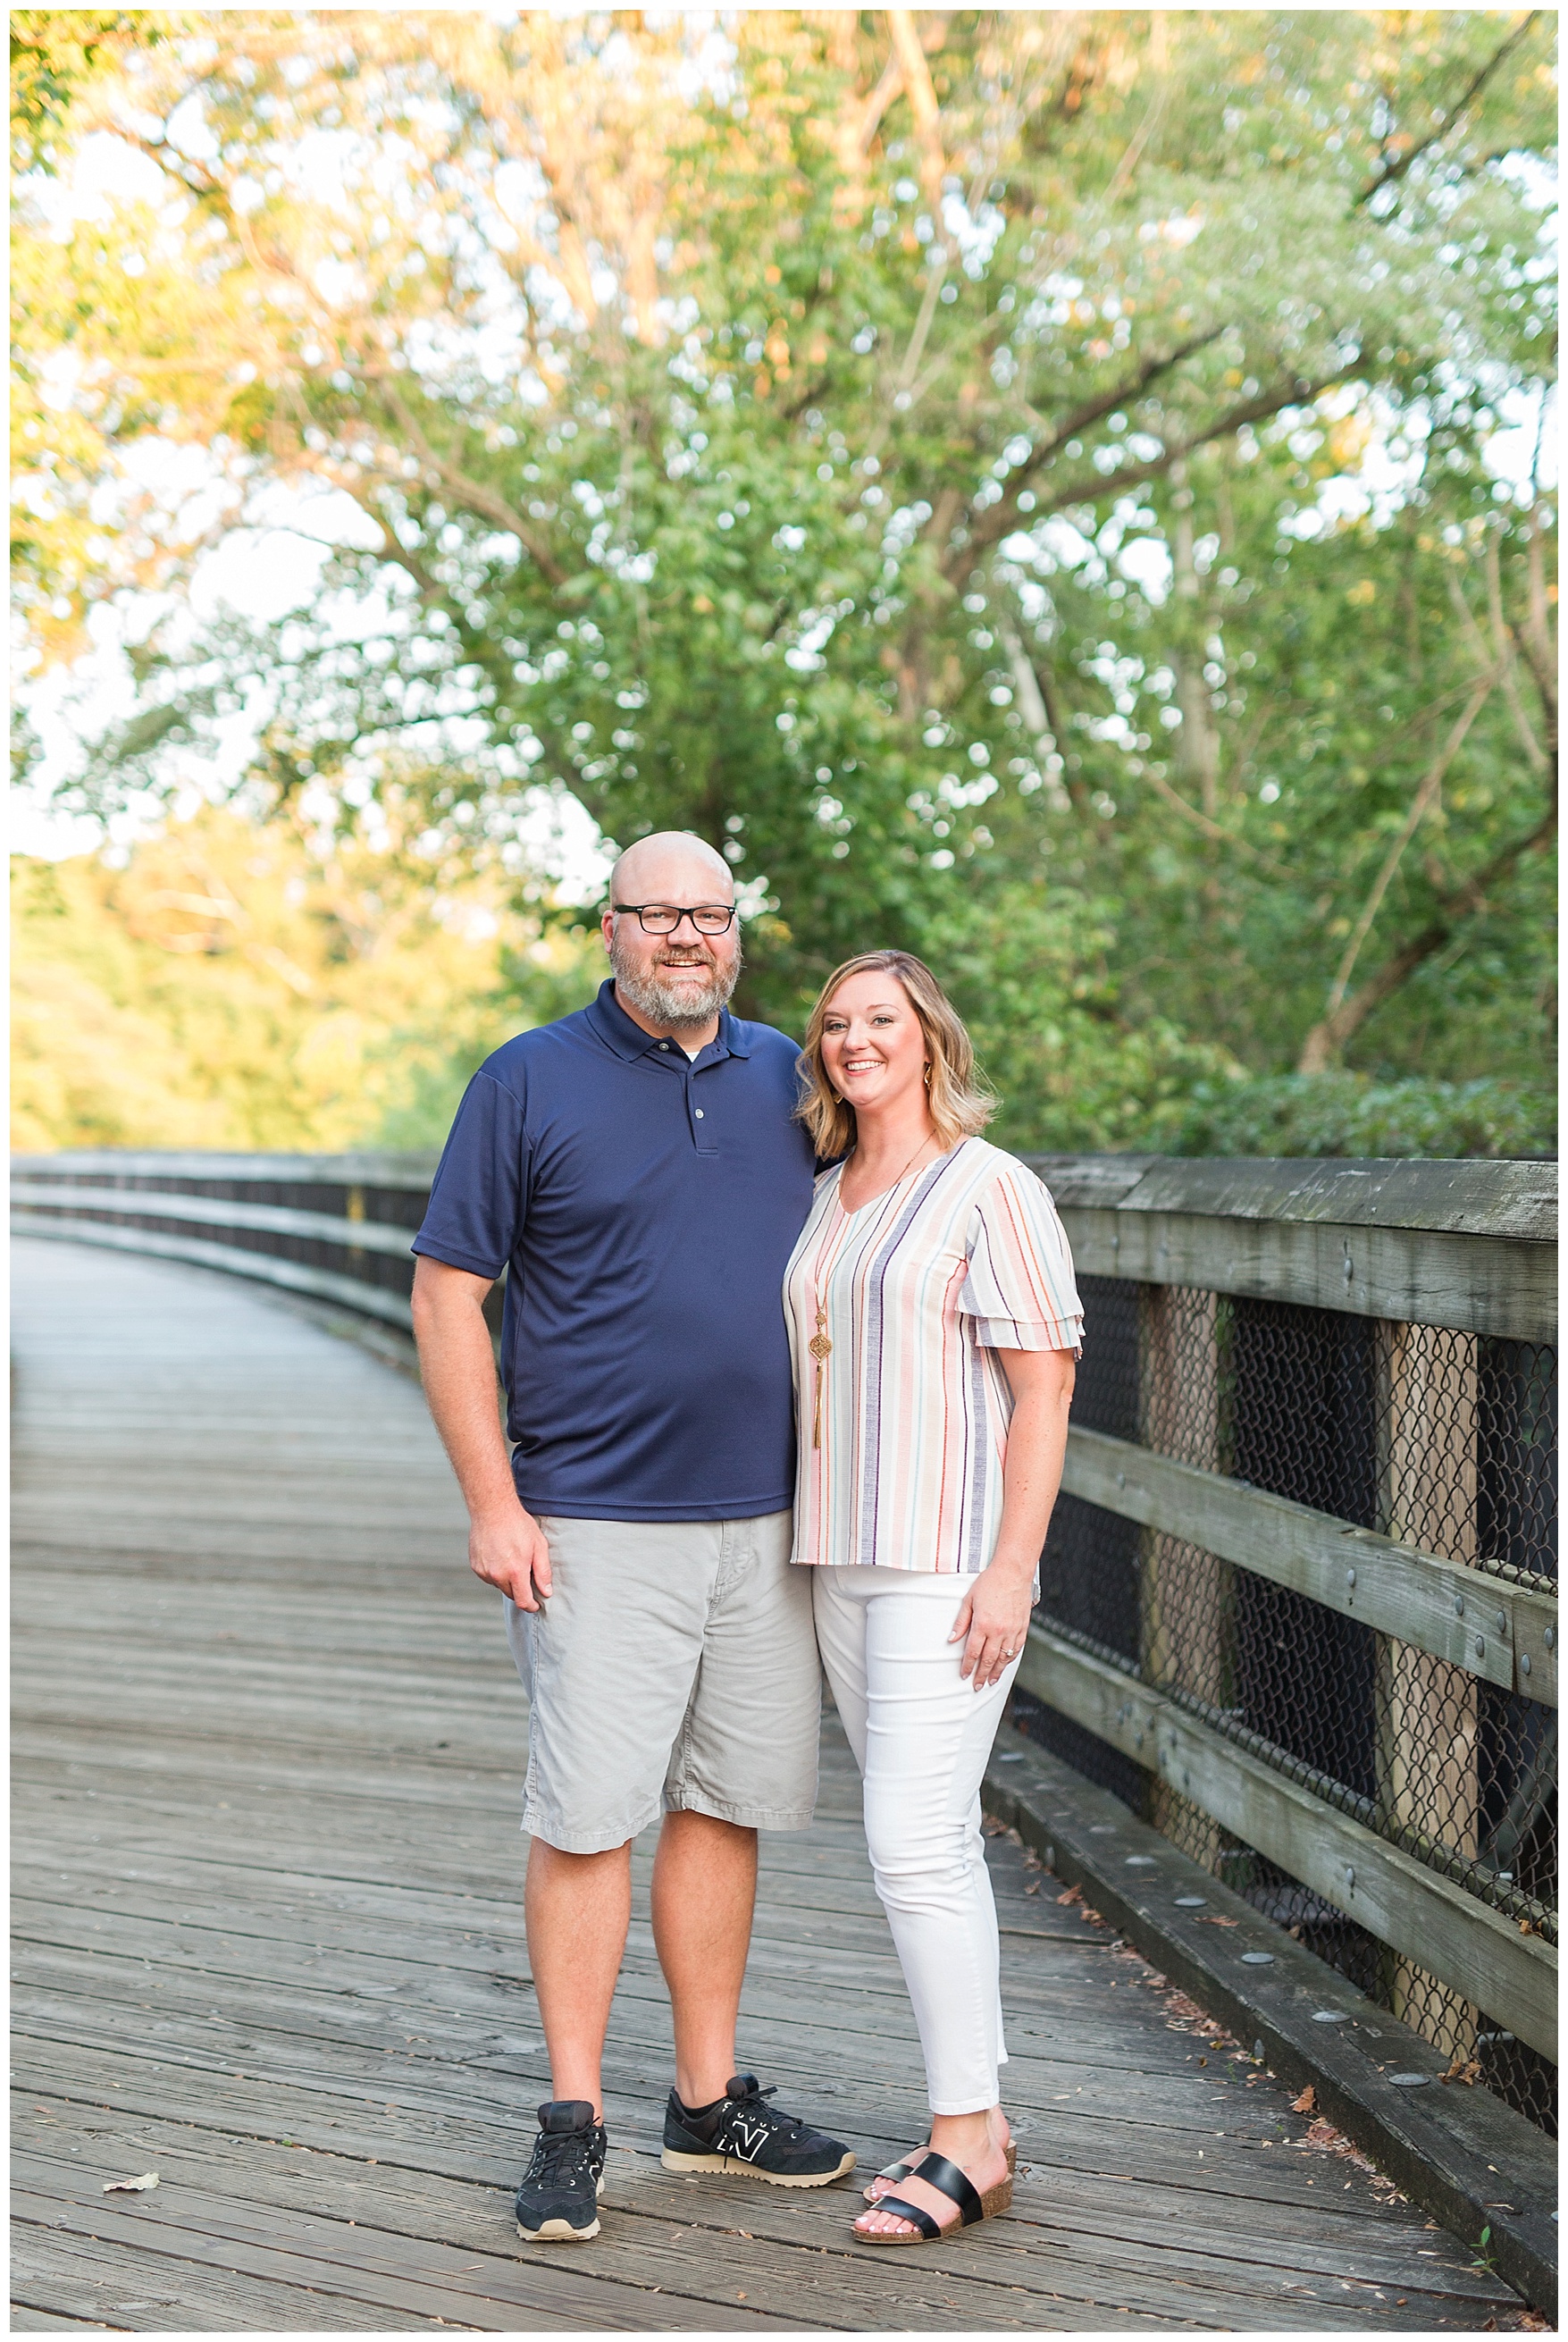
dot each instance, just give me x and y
(854, 1212)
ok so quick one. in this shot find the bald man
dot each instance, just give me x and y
(637, 1171)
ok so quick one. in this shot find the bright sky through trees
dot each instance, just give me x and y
(1070, 492)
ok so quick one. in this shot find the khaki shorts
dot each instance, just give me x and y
(673, 1669)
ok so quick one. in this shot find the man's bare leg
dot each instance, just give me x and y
(577, 1907)
(704, 1892)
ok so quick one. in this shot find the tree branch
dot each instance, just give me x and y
(1392, 173)
(1001, 518)
(860, 120)
(391, 549)
(1534, 640)
(915, 75)
(1326, 1040)
(1121, 176)
(1122, 393)
(486, 502)
(1502, 651)
(1420, 806)
(1006, 516)
(1216, 830)
(1037, 701)
(208, 189)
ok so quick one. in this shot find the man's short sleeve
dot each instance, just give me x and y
(1019, 1288)
(479, 1199)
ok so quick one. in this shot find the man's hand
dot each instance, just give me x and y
(507, 1548)
(506, 1545)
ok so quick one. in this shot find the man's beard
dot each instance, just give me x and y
(666, 1003)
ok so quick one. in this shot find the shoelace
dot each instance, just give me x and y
(775, 2113)
(555, 2153)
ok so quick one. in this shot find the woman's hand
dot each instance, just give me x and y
(991, 1623)
(993, 1616)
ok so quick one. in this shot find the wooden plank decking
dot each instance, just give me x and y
(270, 1938)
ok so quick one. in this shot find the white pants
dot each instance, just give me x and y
(921, 1735)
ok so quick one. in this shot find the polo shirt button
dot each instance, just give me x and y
(698, 1111)
(663, 1045)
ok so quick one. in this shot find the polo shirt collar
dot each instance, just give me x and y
(629, 1041)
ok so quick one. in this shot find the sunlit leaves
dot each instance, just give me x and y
(961, 535)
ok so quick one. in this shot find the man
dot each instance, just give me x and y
(637, 1170)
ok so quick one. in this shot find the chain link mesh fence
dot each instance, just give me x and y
(1442, 1439)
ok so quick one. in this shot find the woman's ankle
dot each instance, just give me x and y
(968, 2138)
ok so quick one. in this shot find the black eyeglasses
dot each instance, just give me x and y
(664, 918)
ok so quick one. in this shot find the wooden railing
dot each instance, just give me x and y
(335, 1227)
(1431, 1826)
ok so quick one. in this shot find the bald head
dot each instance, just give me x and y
(675, 982)
(671, 867)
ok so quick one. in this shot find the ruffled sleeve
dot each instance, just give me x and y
(1020, 1289)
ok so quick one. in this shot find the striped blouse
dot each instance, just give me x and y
(902, 1425)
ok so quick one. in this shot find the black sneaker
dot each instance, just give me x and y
(561, 2185)
(741, 2131)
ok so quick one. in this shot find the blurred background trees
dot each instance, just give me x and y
(1065, 492)
(245, 984)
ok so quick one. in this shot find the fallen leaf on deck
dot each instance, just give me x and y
(130, 2186)
(1213, 1920)
(1463, 2069)
(1306, 2102)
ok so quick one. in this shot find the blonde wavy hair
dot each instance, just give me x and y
(961, 1106)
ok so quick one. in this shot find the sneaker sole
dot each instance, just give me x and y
(673, 2160)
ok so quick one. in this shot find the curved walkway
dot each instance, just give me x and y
(269, 1936)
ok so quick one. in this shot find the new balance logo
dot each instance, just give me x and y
(748, 2140)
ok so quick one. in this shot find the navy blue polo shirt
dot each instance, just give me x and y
(646, 1206)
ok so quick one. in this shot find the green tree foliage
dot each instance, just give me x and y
(1018, 480)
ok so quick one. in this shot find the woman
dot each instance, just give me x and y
(934, 1325)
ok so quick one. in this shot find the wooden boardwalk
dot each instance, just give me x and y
(270, 1938)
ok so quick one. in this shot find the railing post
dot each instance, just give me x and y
(1428, 1775)
(1183, 1592)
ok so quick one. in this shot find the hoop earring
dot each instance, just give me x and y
(925, 1076)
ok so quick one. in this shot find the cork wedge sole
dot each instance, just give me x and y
(949, 2180)
(899, 2172)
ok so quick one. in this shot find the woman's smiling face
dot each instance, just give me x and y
(873, 1043)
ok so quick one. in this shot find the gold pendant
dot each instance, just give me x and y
(819, 1346)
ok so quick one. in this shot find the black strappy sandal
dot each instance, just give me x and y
(899, 2172)
(957, 2187)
